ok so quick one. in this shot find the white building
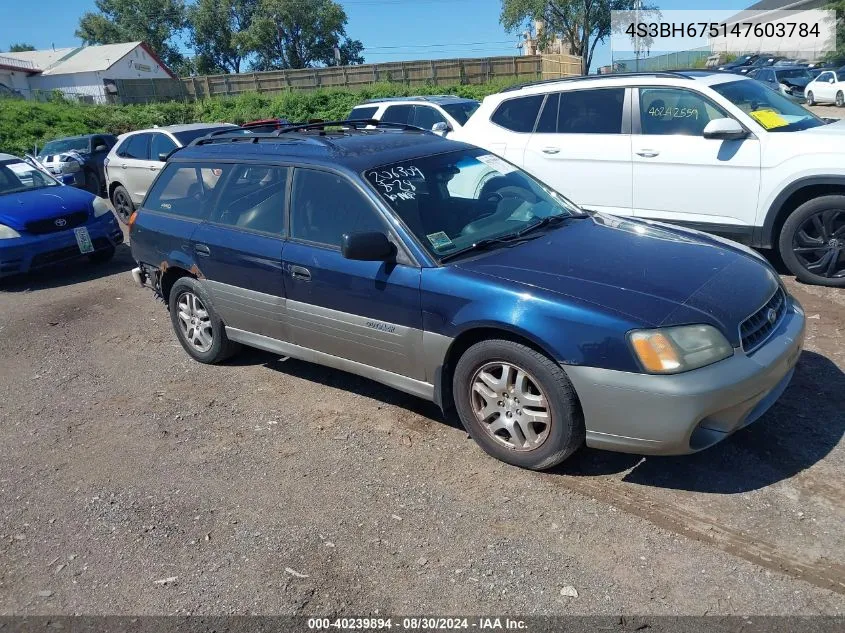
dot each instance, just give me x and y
(81, 72)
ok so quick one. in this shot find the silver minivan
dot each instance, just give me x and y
(137, 157)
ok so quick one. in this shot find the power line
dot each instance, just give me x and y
(450, 44)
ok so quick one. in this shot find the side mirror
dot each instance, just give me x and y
(724, 130)
(163, 156)
(101, 148)
(441, 127)
(368, 247)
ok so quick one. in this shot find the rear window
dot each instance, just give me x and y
(186, 190)
(363, 113)
(518, 115)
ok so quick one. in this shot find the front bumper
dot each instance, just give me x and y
(31, 252)
(686, 413)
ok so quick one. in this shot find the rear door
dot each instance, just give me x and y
(238, 248)
(582, 148)
(133, 170)
(367, 312)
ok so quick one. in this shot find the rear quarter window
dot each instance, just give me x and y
(186, 190)
(363, 113)
(518, 115)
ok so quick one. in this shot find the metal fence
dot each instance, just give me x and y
(413, 73)
(667, 61)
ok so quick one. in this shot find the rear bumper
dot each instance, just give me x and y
(31, 252)
(686, 413)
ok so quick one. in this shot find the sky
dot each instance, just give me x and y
(391, 30)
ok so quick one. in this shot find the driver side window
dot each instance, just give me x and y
(670, 111)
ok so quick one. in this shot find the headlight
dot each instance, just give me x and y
(70, 167)
(101, 207)
(7, 232)
(673, 350)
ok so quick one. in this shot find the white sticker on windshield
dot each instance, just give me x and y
(496, 163)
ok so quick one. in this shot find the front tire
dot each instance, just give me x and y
(840, 99)
(198, 328)
(812, 242)
(810, 100)
(517, 404)
(92, 183)
(122, 203)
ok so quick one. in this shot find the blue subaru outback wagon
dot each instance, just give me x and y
(444, 271)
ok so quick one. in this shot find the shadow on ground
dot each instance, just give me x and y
(69, 273)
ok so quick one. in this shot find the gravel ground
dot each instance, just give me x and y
(136, 481)
(828, 111)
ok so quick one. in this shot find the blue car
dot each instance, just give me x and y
(444, 271)
(43, 222)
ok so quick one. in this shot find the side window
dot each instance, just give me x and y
(426, 116)
(253, 198)
(136, 146)
(161, 144)
(185, 190)
(826, 76)
(324, 206)
(518, 115)
(675, 111)
(591, 111)
(548, 117)
(398, 114)
(367, 112)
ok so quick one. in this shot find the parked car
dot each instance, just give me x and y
(266, 125)
(379, 252)
(827, 87)
(744, 60)
(134, 162)
(447, 112)
(714, 151)
(789, 81)
(81, 157)
(43, 222)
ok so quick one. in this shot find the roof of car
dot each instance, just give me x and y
(439, 99)
(356, 150)
(182, 127)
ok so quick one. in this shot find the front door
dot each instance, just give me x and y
(367, 312)
(681, 176)
(582, 148)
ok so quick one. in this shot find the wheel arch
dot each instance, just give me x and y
(114, 184)
(169, 276)
(792, 197)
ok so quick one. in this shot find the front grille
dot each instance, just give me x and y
(61, 254)
(757, 328)
(68, 221)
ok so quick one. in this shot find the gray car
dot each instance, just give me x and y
(136, 159)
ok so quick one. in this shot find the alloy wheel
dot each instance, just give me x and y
(510, 406)
(840, 99)
(123, 205)
(195, 322)
(819, 243)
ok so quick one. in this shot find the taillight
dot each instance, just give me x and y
(132, 219)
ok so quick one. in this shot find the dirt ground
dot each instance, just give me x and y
(136, 481)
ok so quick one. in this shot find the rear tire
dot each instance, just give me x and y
(527, 415)
(840, 99)
(122, 203)
(809, 98)
(812, 242)
(198, 328)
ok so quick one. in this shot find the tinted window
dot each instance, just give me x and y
(325, 206)
(253, 197)
(136, 146)
(186, 190)
(548, 117)
(825, 77)
(363, 113)
(461, 112)
(518, 115)
(161, 144)
(673, 111)
(187, 136)
(426, 116)
(398, 114)
(591, 111)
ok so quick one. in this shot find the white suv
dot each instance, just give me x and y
(712, 151)
(425, 112)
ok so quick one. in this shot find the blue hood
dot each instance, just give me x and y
(654, 275)
(16, 209)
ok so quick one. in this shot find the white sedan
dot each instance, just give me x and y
(828, 87)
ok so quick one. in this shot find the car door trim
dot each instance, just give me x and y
(412, 386)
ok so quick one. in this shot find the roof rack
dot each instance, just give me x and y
(665, 74)
(245, 135)
(414, 98)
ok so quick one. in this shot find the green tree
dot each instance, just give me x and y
(838, 56)
(21, 47)
(302, 33)
(582, 24)
(155, 22)
(220, 33)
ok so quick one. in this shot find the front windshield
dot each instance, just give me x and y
(770, 109)
(17, 176)
(461, 112)
(65, 145)
(454, 200)
(797, 73)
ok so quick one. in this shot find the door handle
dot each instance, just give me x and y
(202, 250)
(551, 150)
(154, 168)
(648, 153)
(123, 166)
(300, 273)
